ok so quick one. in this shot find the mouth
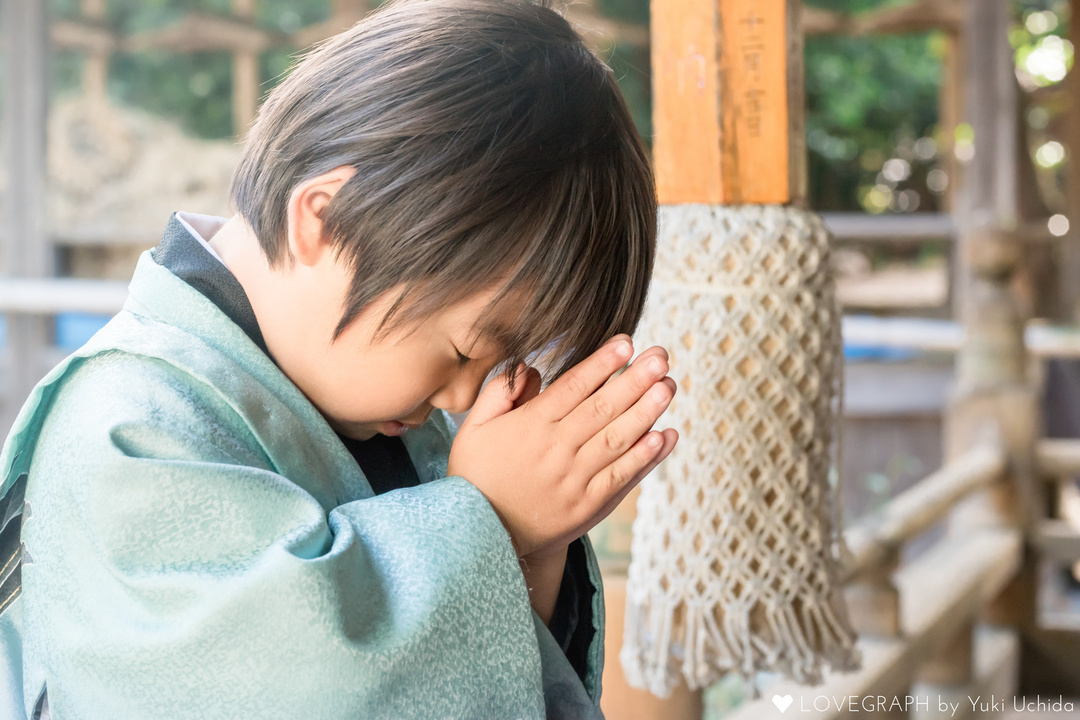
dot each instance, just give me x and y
(392, 428)
(395, 428)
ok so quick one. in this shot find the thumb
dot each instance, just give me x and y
(531, 382)
(496, 399)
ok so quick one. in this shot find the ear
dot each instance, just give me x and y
(306, 240)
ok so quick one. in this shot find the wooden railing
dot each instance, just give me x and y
(1057, 534)
(914, 17)
(908, 614)
(52, 296)
(879, 537)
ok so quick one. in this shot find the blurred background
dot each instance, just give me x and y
(118, 112)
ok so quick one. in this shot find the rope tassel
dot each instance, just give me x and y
(736, 546)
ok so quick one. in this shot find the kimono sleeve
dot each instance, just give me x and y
(175, 574)
(576, 628)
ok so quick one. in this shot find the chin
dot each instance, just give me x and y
(356, 431)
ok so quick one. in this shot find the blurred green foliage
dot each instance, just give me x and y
(195, 90)
(631, 67)
(631, 64)
(870, 100)
(1043, 58)
(630, 11)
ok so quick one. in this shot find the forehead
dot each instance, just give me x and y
(476, 316)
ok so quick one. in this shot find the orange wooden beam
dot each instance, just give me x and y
(728, 103)
(686, 100)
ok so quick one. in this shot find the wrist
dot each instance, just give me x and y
(554, 554)
(543, 573)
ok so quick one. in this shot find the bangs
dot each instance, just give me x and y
(577, 271)
(603, 234)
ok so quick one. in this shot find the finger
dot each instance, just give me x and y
(671, 437)
(595, 415)
(578, 383)
(625, 471)
(496, 398)
(654, 350)
(530, 386)
(616, 438)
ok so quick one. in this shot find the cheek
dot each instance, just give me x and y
(381, 387)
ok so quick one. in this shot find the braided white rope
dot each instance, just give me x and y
(736, 545)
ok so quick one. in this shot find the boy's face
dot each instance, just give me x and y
(363, 386)
(395, 383)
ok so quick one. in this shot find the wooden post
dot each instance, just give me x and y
(1069, 255)
(245, 76)
(985, 185)
(947, 677)
(96, 69)
(25, 250)
(874, 603)
(950, 111)
(728, 101)
(874, 599)
(950, 102)
(993, 391)
(994, 400)
(619, 699)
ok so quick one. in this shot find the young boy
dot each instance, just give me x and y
(244, 498)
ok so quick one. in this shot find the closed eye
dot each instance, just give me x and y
(462, 359)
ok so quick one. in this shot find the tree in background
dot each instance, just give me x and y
(872, 113)
(195, 90)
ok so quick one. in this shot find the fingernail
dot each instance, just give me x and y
(654, 440)
(659, 395)
(623, 349)
(655, 365)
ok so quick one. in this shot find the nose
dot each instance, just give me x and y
(459, 394)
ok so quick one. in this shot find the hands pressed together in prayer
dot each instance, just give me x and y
(555, 463)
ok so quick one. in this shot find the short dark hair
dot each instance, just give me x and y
(490, 145)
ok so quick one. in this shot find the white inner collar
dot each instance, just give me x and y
(203, 228)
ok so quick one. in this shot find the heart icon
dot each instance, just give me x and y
(782, 702)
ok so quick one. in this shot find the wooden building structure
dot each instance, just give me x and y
(963, 620)
(970, 617)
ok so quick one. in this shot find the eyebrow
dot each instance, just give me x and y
(500, 336)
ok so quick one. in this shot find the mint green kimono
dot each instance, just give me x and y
(199, 544)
